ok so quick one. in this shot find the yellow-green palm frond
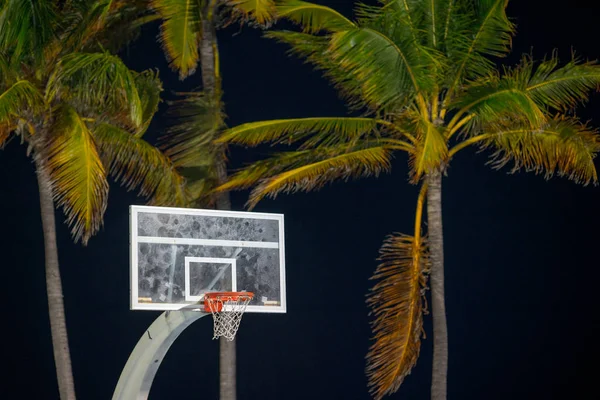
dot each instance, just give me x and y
(78, 176)
(180, 33)
(20, 98)
(258, 12)
(149, 88)
(326, 131)
(431, 149)
(562, 88)
(485, 32)
(99, 81)
(496, 100)
(310, 170)
(312, 17)
(563, 146)
(397, 302)
(137, 164)
(198, 120)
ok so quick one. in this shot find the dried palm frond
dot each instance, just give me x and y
(397, 302)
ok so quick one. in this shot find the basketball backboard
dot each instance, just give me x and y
(178, 254)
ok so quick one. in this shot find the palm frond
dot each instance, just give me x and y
(26, 27)
(198, 120)
(398, 303)
(180, 33)
(85, 21)
(7, 75)
(496, 99)
(437, 17)
(99, 81)
(77, 173)
(402, 17)
(366, 66)
(22, 97)
(325, 131)
(565, 87)
(386, 73)
(431, 149)
(109, 24)
(258, 12)
(563, 146)
(486, 31)
(149, 88)
(137, 164)
(312, 17)
(5, 131)
(313, 169)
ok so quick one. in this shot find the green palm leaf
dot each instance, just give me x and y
(137, 164)
(149, 88)
(487, 32)
(26, 27)
(99, 81)
(565, 87)
(398, 303)
(107, 24)
(198, 120)
(313, 17)
(20, 98)
(563, 146)
(436, 18)
(325, 131)
(403, 16)
(87, 20)
(77, 173)
(386, 73)
(180, 33)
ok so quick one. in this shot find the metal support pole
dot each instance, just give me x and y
(138, 374)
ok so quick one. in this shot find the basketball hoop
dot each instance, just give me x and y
(227, 309)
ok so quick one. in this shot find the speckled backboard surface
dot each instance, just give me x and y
(178, 254)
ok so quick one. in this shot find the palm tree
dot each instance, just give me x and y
(188, 35)
(82, 114)
(422, 75)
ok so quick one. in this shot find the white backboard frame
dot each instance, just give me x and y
(135, 240)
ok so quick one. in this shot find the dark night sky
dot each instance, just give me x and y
(521, 259)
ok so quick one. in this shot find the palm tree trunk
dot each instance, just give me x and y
(438, 305)
(56, 308)
(211, 83)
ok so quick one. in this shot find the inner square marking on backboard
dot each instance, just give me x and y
(209, 260)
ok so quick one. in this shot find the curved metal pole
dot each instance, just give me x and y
(138, 374)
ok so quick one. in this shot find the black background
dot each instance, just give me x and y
(521, 258)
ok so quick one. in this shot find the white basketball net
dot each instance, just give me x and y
(227, 321)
